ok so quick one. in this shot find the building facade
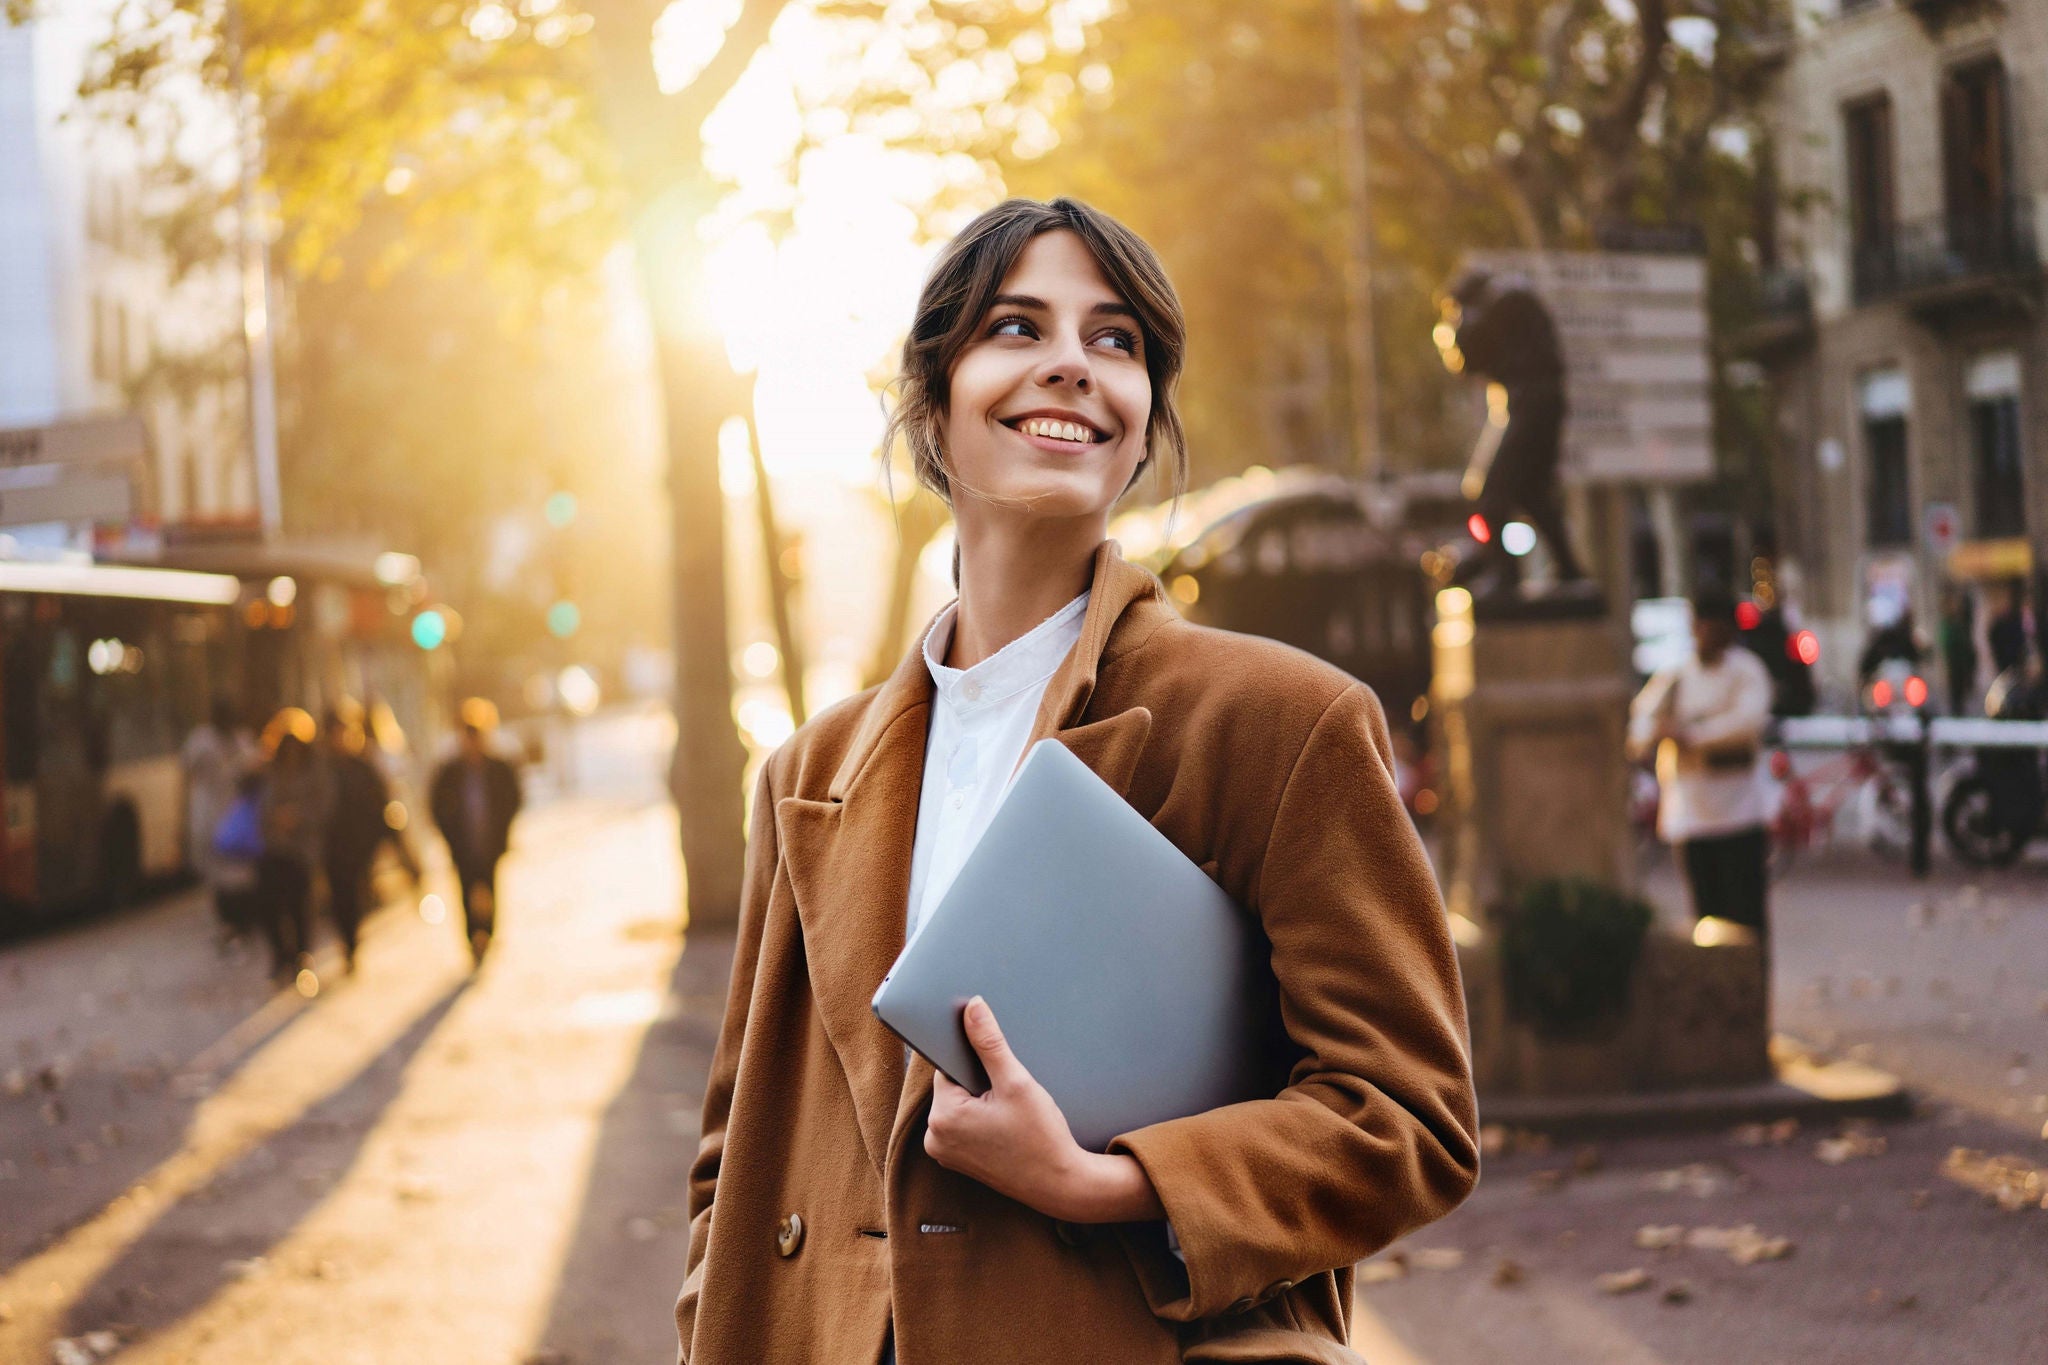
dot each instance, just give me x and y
(1904, 343)
(100, 329)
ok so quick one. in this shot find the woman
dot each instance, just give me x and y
(846, 1202)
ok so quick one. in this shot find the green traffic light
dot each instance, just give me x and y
(429, 629)
(560, 509)
(564, 619)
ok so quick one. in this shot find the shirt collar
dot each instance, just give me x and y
(1026, 661)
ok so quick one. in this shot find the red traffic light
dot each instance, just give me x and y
(1881, 693)
(1481, 532)
(1805, 647)
(1748, 615)
(1916, 691)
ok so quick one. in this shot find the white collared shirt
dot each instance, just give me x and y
(981, 720)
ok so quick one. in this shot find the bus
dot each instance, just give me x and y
(105, 668)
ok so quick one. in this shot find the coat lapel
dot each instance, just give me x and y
(848, 858)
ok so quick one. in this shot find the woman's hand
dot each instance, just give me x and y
(1014, 1140)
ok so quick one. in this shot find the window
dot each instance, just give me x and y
(1976, 163)
(1886, 399)
(1867, 128)
(1997, 459)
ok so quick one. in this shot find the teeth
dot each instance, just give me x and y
(1059, 431)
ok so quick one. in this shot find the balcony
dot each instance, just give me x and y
(1960, 261)
(1780, 315)
(1936, 15)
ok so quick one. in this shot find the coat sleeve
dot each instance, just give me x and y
(1376, 1131)
(756, 883)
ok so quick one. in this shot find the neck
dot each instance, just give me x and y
(1014, 573)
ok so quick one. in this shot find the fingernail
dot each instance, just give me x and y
(977, 1007)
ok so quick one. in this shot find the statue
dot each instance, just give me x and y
(1497, 327)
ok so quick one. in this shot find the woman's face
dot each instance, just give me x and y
(1048, 405)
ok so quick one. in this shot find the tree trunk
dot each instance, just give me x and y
(707, 772)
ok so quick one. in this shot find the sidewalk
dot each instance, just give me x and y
(1887, 1255)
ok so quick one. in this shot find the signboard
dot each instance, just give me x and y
(1634, 332)
(102, 497)
(1943, 526)
(83, 440)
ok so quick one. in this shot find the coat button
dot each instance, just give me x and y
(789, 1234)
(1240, 1306)
(1069, 1235)
(1277, 1288)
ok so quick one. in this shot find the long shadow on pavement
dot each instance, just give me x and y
(196, 1247)
(614, 1300)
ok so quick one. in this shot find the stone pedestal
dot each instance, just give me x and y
(1531, 709)
(1531, 719)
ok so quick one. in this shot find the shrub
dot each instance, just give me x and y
(1568, 948)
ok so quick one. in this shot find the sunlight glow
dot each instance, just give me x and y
(687, 37)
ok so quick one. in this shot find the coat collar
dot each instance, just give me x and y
(848, 856)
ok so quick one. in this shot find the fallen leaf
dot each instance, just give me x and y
(1438, 1258)
(2011, 1182)
(1651, 1237)
(1548, 1182)
(1744, 1245)
(1384, 1269)
(84, 1350)
(1851, 1145)
(1586, 1160)
(1622, 1281)
(1699, 1179)
(1919, 1199)
(1507, 1273)
(1680, 1292)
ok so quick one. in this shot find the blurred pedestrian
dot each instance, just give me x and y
(1704, 719)
(296, 801)
(2006, 628)
(1037, 385)
(1958, 641)
(218, 754)
(474, 797)
(356, 826)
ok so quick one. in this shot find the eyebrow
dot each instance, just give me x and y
(1115, 307)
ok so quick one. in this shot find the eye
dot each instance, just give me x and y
(1121, 336)
(1012, 326)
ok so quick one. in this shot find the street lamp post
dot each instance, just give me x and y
(1366, 456)
(258, 349)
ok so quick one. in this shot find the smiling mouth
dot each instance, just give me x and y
(1054, 429)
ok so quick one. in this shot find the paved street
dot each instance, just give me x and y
(1886, 1257)
(417, 1165)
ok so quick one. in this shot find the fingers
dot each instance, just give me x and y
(989, 1044)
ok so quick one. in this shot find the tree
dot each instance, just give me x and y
(1213, 131)
(530, 138)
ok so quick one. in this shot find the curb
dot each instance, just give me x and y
(1805, 1089)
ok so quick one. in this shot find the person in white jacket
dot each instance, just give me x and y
(1704, 719)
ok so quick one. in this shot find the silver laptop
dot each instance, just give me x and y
(1128, 983)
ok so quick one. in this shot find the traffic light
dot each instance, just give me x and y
(564, 619)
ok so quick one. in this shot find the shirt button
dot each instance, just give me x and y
(789, 1234)
(957, 801)
(971, 690)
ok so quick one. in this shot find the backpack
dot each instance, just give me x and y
(239, 836)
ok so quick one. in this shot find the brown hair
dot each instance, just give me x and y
(969, 273)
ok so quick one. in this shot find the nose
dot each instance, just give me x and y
(1067, 364)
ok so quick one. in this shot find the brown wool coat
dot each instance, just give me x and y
(1269, 767)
